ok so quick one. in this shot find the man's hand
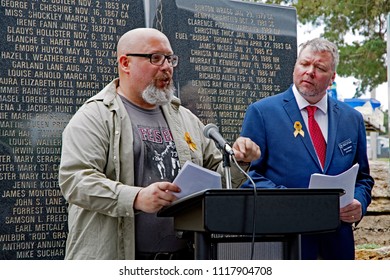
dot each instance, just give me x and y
(245, 149)
(352, 212)
(155, 196)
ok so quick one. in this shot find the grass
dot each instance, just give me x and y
(367, 246)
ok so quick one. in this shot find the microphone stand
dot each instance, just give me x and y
(226, 165)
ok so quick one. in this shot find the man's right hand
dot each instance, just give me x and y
(155, 196)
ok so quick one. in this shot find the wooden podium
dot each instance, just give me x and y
(240, 215)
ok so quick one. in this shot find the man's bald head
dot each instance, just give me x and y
(135, 39)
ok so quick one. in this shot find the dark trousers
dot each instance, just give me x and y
(339, 245)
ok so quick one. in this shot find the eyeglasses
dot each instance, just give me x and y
(158, 58)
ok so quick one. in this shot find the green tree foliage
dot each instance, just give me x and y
(363, 59)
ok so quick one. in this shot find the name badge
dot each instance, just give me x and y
(346, 147)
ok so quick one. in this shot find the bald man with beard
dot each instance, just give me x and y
(109, 173)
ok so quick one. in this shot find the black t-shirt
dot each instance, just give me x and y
(156, 159)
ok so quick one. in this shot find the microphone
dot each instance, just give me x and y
(211, 131)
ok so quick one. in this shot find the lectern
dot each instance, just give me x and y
(264, 215)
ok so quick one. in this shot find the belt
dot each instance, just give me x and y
(180, 255)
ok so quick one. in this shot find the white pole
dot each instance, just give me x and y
(147, 13)
(388, 70)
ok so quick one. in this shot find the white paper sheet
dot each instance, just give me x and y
(193, 178)
(345, 180)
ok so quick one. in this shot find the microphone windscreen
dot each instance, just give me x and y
(208, 128)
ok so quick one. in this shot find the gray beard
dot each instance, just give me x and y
(155, 96)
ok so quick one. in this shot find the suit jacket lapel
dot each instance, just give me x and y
(292, 110)
(333, 123)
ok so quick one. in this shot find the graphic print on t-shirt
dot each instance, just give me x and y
(161, 161)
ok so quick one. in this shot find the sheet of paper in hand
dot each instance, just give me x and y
(193, 178)
(345, 180)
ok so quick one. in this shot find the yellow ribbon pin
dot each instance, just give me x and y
(298, 129)
(189, 141)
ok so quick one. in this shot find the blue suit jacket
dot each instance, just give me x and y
(287, 161)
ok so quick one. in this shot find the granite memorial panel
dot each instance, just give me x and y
(232, 53)
(53, 56)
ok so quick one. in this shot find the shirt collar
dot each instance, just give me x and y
(302, 103)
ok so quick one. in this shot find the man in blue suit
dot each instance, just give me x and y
(279, 125)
